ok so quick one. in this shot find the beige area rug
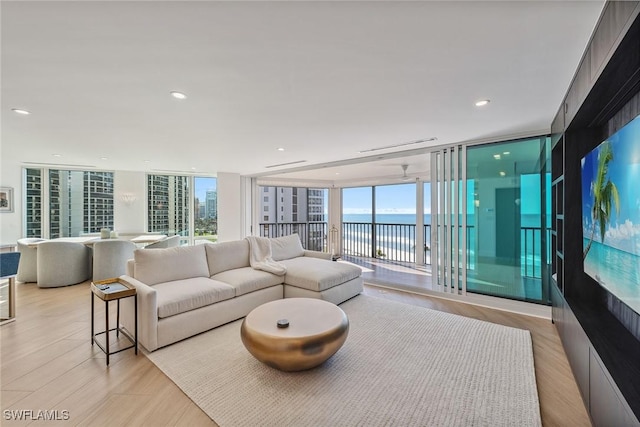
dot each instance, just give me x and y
(401, 365)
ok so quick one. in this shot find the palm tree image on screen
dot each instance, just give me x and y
(604, 194)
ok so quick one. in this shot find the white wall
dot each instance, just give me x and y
(129, 216)
(11, 222)
(230, 207)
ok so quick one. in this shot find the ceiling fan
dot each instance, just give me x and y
(404, 176)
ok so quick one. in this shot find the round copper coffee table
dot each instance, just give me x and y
(316, 330)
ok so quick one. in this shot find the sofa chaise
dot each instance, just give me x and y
(186, 290)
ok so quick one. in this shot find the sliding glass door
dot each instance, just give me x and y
(489, 229)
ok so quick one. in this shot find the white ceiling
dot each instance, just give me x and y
(323, 80)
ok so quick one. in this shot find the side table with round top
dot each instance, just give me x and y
(294, 334)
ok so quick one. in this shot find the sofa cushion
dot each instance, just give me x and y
(165, 265)
(317, 274)
(286, 247)
(179, 296)
(227, 255)
(247, 279)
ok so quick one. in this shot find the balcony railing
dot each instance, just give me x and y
(313, 235)
(397, 242)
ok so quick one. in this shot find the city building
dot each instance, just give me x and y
(168, 204)
(211, 204)
(80, 202)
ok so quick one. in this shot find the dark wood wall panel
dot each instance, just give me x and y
(629, 112)
(603, 97)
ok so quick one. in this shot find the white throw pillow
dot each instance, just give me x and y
(153, 266)
(286, 247)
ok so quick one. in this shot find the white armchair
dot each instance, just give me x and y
(28, 266)
(110, 258)
(63, 263)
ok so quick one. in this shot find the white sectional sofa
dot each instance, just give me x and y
(187, 290)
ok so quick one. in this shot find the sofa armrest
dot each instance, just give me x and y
(318, 254)
(131, 268)
(147, 313)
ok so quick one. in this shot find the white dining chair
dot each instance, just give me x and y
(110, 258)
(28, 265)
(63, 263)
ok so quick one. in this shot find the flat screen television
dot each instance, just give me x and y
(611, 214)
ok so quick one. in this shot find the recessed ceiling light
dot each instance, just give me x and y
(506, 153)
(482, 102)
(104, 158)
(20, 111)
(496, 156)
(57, 155)
(193, 169)
(503, 173)
(178, 95)
(337, 173)
(280, 149)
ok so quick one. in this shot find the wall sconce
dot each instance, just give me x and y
(128, 198)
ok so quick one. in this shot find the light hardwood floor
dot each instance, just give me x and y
(48, 363)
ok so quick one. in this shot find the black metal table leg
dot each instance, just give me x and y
(135, 310)
(93, 337)
(106, 305)
(118, 318)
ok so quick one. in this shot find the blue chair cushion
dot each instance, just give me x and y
(9, 264)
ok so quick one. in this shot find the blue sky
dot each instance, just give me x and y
(400, 198)
(204, 184)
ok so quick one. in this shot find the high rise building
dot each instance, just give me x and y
(168, 204)
(33, 202)
(211, 203)
(80, 202)
(196, 207)
(288, 210)
(98, 201)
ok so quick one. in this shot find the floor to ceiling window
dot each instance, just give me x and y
(79, 202)
(380, 222)
(395, 221)
(426, 232)
(288, 210)
(205, 209)
(168, 204)
(357, 222)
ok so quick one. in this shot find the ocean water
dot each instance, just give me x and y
(526, 220)
(617, 271)
(398, 243)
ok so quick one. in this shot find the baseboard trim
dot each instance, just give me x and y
(512, 306)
